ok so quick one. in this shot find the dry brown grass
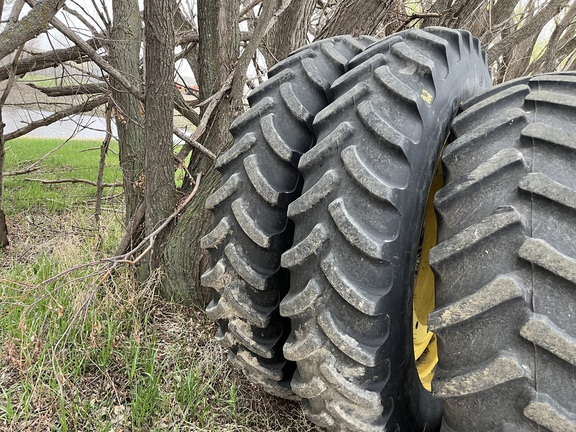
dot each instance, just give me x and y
(130, 362)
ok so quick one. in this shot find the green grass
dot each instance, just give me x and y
(41, 80)
(126, 360)
(75, 159)
(80, 355)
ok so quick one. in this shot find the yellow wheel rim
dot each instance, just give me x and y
(425, 345)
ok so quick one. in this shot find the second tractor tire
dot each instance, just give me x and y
(506, 261)
(358, 225)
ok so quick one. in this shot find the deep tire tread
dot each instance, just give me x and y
(251, 229)
(507, 290)
(340, 299)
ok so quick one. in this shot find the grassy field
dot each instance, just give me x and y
(79, 355)
(74, 160)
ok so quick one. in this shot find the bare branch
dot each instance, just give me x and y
(11, 78)
(89, 105)
(182, 107)
(81, 18)
(21, 172)
(212, 104)
(101, 165)
(71, 90)
(414, 17)
(93, 54)
(50, 59)
(148, 242)
(30, 26)
(191, 36)
(249, 7)
(189, 144)
(266, 21)
(74, 180)
(34, 166)
(533, 26)
(131, 231)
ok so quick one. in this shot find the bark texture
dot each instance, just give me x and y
(124, 55)
(290, 32)
(356, 17)
(183, 260)
(160, 193)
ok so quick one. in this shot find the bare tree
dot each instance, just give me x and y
(510, 31)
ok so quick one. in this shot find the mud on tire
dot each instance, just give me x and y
(251, 230)
(506, 261)
(357, 228)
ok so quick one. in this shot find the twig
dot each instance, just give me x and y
(101, 164)
(3, 225)
(416, 16)
(74, 180)
(21, 172)
(151, 238)
(131, 230)
(193, 141)
(93, 54)
(89, 105)
(34, 166)
(249, 7)
(190, 143)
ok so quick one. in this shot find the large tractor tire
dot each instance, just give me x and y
(506, 261)
(251, 230)
(357, 230)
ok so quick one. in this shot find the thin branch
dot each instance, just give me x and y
(104, 17)
(184, 109)
(30, 26)
(34, 166)
(12, 78)
(131, 230)
(72, 90)
(74, 180)
(80, 17)
(101, 165)
(212, 104)
(249, 7)
(93, 54)
(89, 105)
(190, 143)
(148, 242)
(21, 172)
(50, 59)
(414, 17)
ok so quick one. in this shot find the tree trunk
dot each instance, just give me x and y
(356, 17)
(290, 32)
(124, 55)
(160, 193)
(183, 259)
